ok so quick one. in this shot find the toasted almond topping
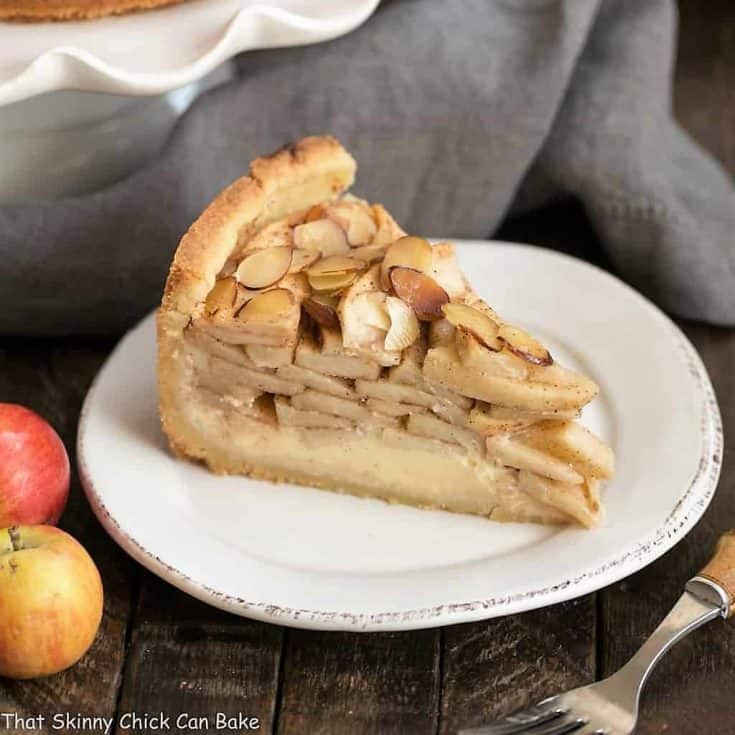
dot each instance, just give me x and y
(222, 296)
(335, 264)
(523, 345)
(332, 282)
(369, 253)
(322, 309)
(422, 293)
(268, 306)
(302, 259)
(404, 326)
(479, 325)
(323, 235)
(264, 267)
(407, 252)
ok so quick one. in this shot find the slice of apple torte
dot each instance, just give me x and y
(304, 337)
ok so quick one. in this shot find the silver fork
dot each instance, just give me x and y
(610, 707)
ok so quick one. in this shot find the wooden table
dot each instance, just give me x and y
(160, 651)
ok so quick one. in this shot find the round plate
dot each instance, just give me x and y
(155, 51)
(303, 557)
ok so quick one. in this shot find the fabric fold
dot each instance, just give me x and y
(451, 108)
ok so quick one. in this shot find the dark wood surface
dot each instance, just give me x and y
(159, 650)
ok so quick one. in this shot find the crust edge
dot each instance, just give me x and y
(294, 177)
(34, 12)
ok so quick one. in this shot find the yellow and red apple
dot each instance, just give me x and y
(34, 469)
(50, 601)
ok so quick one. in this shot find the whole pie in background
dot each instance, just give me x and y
(36, 10)
(303, 337)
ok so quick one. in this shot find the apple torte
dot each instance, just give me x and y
(304, 337)
(39, 10)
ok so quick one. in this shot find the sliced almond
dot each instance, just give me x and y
(332, 282)
(406, 252)
(222, 296)
(268, 306)
(369, 253)
(356, 219)
(335, 264)
(523, 345)
(264, 267)
(479, 325)
(483, 308)
(302, 259)
(404, 326)
(322, 309)
(422, 293)
(323, 235)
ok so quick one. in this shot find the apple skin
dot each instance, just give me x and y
(50, 601)
(34, 469)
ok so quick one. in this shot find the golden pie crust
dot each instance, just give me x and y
(39, 10)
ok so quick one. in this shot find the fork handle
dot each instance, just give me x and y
(709, 595)
(720, 571)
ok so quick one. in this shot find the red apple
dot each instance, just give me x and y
(34, 469)
(50, 601)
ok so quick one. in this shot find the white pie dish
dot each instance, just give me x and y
(307, 558)
(156, 51)
(70, 92)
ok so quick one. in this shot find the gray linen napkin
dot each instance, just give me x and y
(453, 110)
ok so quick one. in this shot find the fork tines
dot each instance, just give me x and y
(539, 719)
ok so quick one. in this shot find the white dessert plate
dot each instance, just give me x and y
(303, 557)
(156, 51)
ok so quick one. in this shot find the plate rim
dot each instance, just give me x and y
(687, 510)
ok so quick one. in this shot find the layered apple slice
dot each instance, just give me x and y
(305, 337)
